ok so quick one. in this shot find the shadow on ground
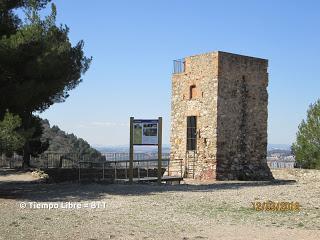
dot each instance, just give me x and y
(35, 191)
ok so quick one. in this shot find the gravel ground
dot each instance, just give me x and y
(212, 210)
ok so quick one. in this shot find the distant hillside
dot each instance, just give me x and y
(166, 148)
(61, 142)
(137, 149)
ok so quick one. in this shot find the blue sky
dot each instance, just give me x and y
(133, 44)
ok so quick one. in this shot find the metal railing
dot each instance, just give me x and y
(179, 66)
(48, 160)
(116, 165)
(11, 162)
(119, 156)
(120, 169)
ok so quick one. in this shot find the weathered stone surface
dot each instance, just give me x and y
(230, 101)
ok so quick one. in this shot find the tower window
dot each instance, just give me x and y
(193, 92)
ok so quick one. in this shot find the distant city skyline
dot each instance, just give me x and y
(133, 44)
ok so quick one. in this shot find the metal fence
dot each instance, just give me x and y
(119, 156)
(120, 169)
(71, 160)
(48, 160)
(115, 166)
(179, 65)
(11, 162)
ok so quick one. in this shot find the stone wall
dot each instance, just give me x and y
(201, 71)
(96, 174)
(231, 108)
(242, 118)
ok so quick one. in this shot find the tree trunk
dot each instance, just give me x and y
(60, 161)
(26, 156)
(26, 161)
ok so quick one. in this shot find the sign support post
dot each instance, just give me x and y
(131, 152)
(159, 149)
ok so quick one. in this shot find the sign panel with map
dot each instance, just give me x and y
(145, 132)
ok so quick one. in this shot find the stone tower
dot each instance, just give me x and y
(219, 114)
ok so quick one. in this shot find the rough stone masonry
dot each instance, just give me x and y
(219, 114)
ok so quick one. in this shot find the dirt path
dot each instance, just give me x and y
(11, 175)
(215, 210)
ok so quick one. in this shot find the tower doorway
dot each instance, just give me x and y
(191, 148)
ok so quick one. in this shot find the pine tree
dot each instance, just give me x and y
(307, 145)
(38, 66)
